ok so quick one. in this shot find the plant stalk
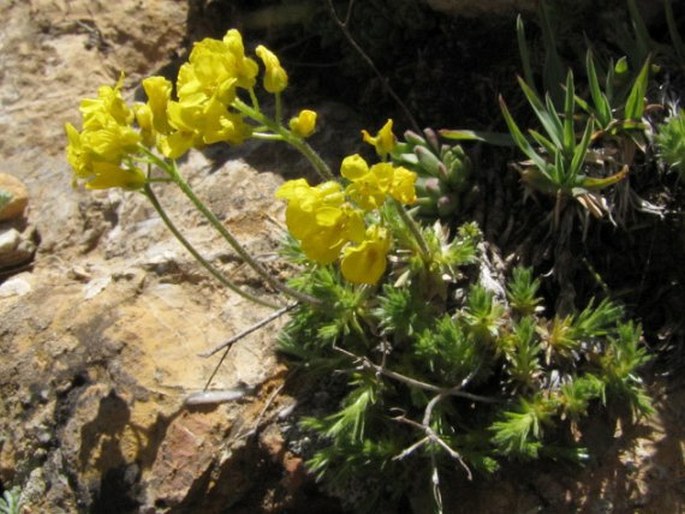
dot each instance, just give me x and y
(296, 142)
(205, 264)
(233, 242)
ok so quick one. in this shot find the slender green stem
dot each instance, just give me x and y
(414, 229)
(279, 110)
(188, 246)
(265, 136)
(286, 135)
(254, 100)
(244, 255)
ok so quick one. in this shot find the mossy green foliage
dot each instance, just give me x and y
(670, 142)
(456, 375)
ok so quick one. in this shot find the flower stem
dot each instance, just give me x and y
(244, 255)
(414, 229)
(286, 135)
(188, 246)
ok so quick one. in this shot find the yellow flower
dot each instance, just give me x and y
(158, 91)
(107, 175)
(320, 219)
(108, 105)
(144, 118)
(93, 168)
(200, 121)
(304, 124)
(403, 187)
(110, 142)
(384, 141)
(331, 229)
(303, 202)
(212, 70)
(369, 186)
(275, 77)
(176, 144)
(245, 69)
(354, 167)
(366, 262)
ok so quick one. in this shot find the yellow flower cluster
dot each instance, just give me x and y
(329, 221)
(99, 154)
(103, 153)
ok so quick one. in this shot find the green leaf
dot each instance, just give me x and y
(493, 138)
(549, 147)
(569, 110)
(549, 118)
(635, 105)
(553, 69)
(596, 184)
(602, 107)
(522, 290)
(643, 40)
(524, 51)
(580, 153)
(521, 140)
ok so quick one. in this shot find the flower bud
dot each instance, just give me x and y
(303, 124)
(275, 77)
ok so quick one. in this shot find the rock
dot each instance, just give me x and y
(19, 197)
(16, 286)
(16, 248)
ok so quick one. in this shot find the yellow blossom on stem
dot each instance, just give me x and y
(245, 69)
(90, 166)
(370, 186)
(369, 191)
(384, 141)
(320, 219)
(102, 154)
(403, 187)
(366, 262)
(304, 123)
(275, 77)
(215, 68)
(199, 121)
(108, 105)
(158, 91)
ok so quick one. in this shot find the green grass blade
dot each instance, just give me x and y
(551, 125)
(580, 152)
(553, 71)
(594, 183)
(524, 51)
(549, 147)
(493, 138)
(635, 105)
(569, 110)
(643, 40)
(602, 107)
(520, 139)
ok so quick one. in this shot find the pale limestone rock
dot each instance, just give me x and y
(16, 248)
(18, 285)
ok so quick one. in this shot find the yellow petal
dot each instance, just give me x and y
(304, 124)
(275, 77)
(384, 141)
(366, 263)
(354, 167)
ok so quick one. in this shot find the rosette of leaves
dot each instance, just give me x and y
(424, 387)
(443, 172)
(670, 142)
